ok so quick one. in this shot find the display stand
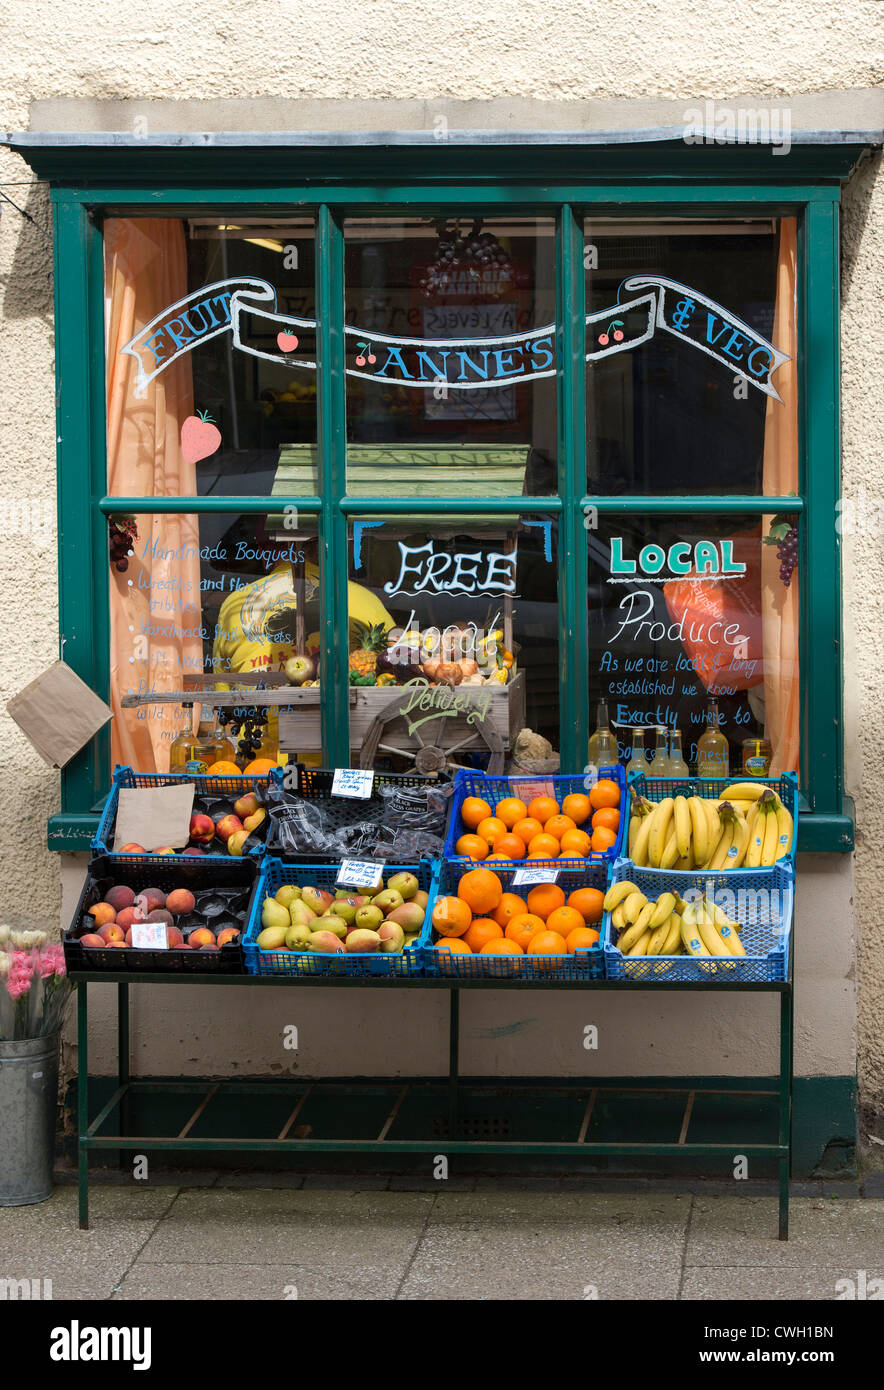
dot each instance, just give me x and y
(407, 1110)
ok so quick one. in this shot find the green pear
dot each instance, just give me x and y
(287, 894)
(329, 922)
(300, 914)
(387, 900)
(346, 908)
(405, 884)
(296, 937)
(273, 914)
(272, 938)
(369, 917)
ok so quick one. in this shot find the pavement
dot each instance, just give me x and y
(222, 1237)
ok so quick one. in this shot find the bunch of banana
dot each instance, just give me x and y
(670, 926)
(748, 827)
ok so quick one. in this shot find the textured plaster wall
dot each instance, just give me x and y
(109, 55)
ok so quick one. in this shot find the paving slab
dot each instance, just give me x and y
(731, 1231)
(247, 1283)
(808, 1283)
(44, 1241)
(373, 1233)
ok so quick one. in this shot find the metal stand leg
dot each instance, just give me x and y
(453, 1058)
(785, 1124)
(82, 1103)
(123, 1061)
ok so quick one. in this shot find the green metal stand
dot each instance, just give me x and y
(403, 1127)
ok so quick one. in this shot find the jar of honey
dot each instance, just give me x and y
(757, 754)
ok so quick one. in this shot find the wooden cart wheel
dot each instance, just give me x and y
(433, 753)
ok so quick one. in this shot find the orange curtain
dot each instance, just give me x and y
(779, 605)
(155, 607)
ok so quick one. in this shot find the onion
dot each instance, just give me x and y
(449, 672)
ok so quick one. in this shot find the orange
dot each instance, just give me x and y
(581, 939)
(481, 889)
(604, 793)
(498, 858)
(547, 943)
(575, 843)
(260, 766)
(482, 930)
(557, 825)
(542, 808)
(609, 817)
(511, 809)
(451, 917)
(588, 902)
(527, 828)
(511, 846)
(224, 769)
(500, 946)
(564, 920)
(603, 839)
(455, 945)
(545, 898)
(522, 927)
(509, 905)
(472, 846)
(544, 846)
(473, 810)
(491, 830)
(578, 806)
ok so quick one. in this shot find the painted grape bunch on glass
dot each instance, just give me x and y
(457, 252)
(784, 535)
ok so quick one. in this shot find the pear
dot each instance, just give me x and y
(329, 922)
(316, 898)
(272, 938)
(300, 914)
(273, 914)
(324, 941)
(362, 941)
(369, 917)
(421, 897)
(346, 908)
(296, 938)
(392, 937)
(287, 894)
(410, 917)
(387, 900)
(405, 884)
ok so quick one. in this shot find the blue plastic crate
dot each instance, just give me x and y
(127, 777)
(583, 965)
(761, 899)
(657, 788)
(495, 789)
(275, 873)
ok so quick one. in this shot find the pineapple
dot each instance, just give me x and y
(372, 642)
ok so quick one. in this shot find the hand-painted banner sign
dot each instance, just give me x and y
(471, 364)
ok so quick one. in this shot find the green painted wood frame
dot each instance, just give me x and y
(83, 580)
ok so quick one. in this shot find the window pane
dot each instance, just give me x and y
(687, 610)
(454, 642)
(451, 356)
(202, 597)
(211, 357)
(691, 345)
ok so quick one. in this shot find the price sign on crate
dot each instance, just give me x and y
(149, 936)
(353, 781)
(359, 873)
(534, 876)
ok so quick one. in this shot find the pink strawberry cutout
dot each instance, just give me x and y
(199, 437)
(287, 341)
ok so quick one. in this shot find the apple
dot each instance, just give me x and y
(202, 829)
(245, 806)
(227, 826)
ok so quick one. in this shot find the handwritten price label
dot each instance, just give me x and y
(149, 936)
(535, 876)
(353, 781)
(359, 873)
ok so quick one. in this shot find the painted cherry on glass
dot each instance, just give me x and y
(199, 437)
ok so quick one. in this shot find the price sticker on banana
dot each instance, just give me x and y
(359, 873)
(534, 876)
(356, 782)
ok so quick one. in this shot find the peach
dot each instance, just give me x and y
(119, 898)
(226, 935)
(164, 849)
(149, 899)
(173, 937)
(202, 829)
(180, 901)
(102, 913)
(209, 946)
(227, 826)
(92, 941)
(111, 932)
(160, 915)
(127, 917)
(201, 936)
(131, 848)
(117, 945)
(192, 849)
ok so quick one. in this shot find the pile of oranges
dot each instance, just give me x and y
(481, 919)
(541, 829)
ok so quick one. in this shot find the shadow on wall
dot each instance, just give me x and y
(28, 287)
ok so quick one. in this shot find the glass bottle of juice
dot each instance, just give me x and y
(638, 760)
(224, 744)
(677, 765)
(713, 755)
(603, 750)
(660, 761)
(179, 750)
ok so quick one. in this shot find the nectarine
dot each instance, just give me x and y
(119, 897)
(110, 932)
(91, 941)
(180, 901)
(102, 913)
(201, 936)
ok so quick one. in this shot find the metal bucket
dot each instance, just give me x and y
(28, 1108)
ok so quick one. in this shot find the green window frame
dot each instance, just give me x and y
(668, 179)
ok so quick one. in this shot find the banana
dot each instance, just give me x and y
(629, 938)
(771, 832)
(640, 809)
(743, 791)
(682, 824)
(618, 916)
(633, 906)
(658, 939)
(670, 853)
(732, 941)
(690, 940)
(785, 829)
(740, 843)
(639, 852)
(685, 863)
(643, 919)
(618, 893)
(719, 916)
(663, 909)
(709, 935)
(660, 831)
(744, 806)
(699, 829)
(713, 827)
(672, 944)
(757, 826)
(719, 854)
(641, 946)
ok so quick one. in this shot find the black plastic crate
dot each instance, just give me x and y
(235, 879)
